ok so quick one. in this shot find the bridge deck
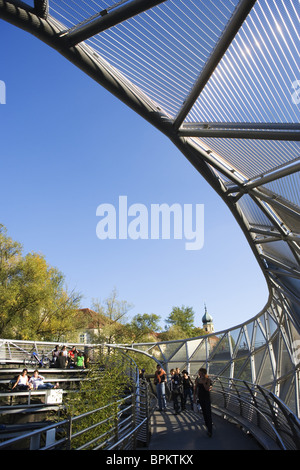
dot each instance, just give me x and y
(187, 431)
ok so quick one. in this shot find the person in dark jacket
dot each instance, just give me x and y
(203, 385)
(188, 388)
(61, 361)
(176, 390)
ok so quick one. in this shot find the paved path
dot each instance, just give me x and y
(187, 431)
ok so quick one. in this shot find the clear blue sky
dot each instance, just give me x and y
(67, 146)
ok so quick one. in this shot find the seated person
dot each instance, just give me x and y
(61, 361)
(37, 382)
(71, 354)
(55, 354)
(22, 382)
(80, 360)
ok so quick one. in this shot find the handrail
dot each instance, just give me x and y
(258, 409)
(32, 434)
(127, 429)
(269, 429)
(237, 402)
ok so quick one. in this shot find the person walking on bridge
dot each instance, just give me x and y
(176, 390)
(188, 388)
(160, 382)
(203, 385)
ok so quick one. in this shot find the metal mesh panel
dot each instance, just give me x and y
(203, 72)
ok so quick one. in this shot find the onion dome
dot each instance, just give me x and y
(206, 317)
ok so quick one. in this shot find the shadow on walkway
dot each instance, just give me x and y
(187, 431)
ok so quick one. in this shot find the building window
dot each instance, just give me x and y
(82, 338)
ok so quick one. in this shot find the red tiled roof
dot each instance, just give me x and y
(95, 320)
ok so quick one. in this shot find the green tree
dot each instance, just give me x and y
(33, 300)
(183, 318)
(197, 331)
(173, 333)
(143, 325)
(107, 380)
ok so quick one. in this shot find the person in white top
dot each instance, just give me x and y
(22, 382)
(37, 382)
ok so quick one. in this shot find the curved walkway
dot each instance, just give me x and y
(186, 431)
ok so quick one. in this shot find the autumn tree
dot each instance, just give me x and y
(114, 314)
(34, 303)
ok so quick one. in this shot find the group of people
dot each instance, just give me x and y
(36, 382)
(62, 358)
(182, 387)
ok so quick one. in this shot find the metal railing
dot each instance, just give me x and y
(121, 424)
(126, 424)
(259, 411)
(256, 409)
(18, 351)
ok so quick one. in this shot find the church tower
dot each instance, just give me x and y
(207, 321)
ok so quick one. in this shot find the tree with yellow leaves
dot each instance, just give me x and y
(34, 303)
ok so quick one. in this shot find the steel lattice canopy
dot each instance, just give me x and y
(221, 79)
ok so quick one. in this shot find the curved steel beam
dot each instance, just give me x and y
(283, 305)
